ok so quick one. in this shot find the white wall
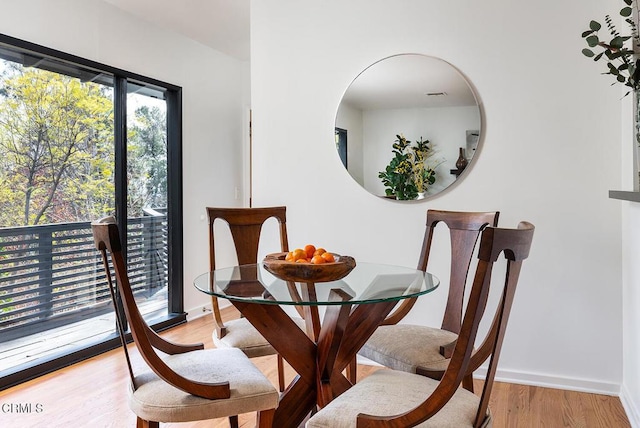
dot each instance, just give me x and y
(215, 92)
(631, 299)
(631, 274)
(550, 154)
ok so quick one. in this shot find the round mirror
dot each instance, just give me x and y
(408, 127)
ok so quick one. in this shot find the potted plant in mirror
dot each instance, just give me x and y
(398, 175)
(424, 174)
(623, 62)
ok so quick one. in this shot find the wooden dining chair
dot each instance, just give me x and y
(245, 225)
(397, 399)
(186, 382)
(421, 348)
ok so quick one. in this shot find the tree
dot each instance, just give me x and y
(56, 148)
(147, 161)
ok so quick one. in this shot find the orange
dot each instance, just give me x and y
(309, 249)
(319, 251)
(299, 253)
(310, 254)
(328, 257)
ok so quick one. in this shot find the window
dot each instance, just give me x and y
(79, 141)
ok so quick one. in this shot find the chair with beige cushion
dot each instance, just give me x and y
(418, 348)
(245, 225)
(184, 382)
(397, 399)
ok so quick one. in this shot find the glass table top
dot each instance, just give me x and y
(366, 283)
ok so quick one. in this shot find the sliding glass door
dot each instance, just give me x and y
(79, 141)
(146, 167)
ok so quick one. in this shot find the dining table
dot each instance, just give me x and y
(339, 317)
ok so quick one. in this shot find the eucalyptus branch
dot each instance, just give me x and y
(621, 61)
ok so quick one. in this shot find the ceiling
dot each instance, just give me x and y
(224, 26)
(220, 24)
(409, 81)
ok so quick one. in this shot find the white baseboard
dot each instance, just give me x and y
(534, 379)
(198, 311)
(556, 382)
(365, 361)
(631, 408)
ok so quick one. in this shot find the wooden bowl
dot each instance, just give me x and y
(308, 272)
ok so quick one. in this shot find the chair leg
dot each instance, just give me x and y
(141, 423)
(467, 382)
(352, 371)
(233, 421)
(265, 418)
(280, 373)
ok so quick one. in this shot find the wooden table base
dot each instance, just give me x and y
(319, 363)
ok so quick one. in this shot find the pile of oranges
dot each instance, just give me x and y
(310, 254)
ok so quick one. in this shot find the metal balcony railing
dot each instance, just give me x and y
(52, 275)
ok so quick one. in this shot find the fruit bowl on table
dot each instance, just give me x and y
(308, 272)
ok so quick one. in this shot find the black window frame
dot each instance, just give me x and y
(173, 93)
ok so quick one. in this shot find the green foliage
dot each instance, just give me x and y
(423, 174)
(56, 139)
(5, 301)
(620, 60)
(408, 172)
(397, 177)
(57, 150)
(147, 166)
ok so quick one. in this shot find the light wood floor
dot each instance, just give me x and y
(94, 393)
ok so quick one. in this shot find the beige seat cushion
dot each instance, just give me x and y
(389, 392)
(405, 347)
(242, 335)
(156, 400)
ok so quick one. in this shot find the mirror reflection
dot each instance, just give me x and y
(407, 127)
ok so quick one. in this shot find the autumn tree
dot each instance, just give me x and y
(56, 148)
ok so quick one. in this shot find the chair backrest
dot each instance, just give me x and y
(464, 230)
(515, 245)
(107, 240)
(245, 225)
